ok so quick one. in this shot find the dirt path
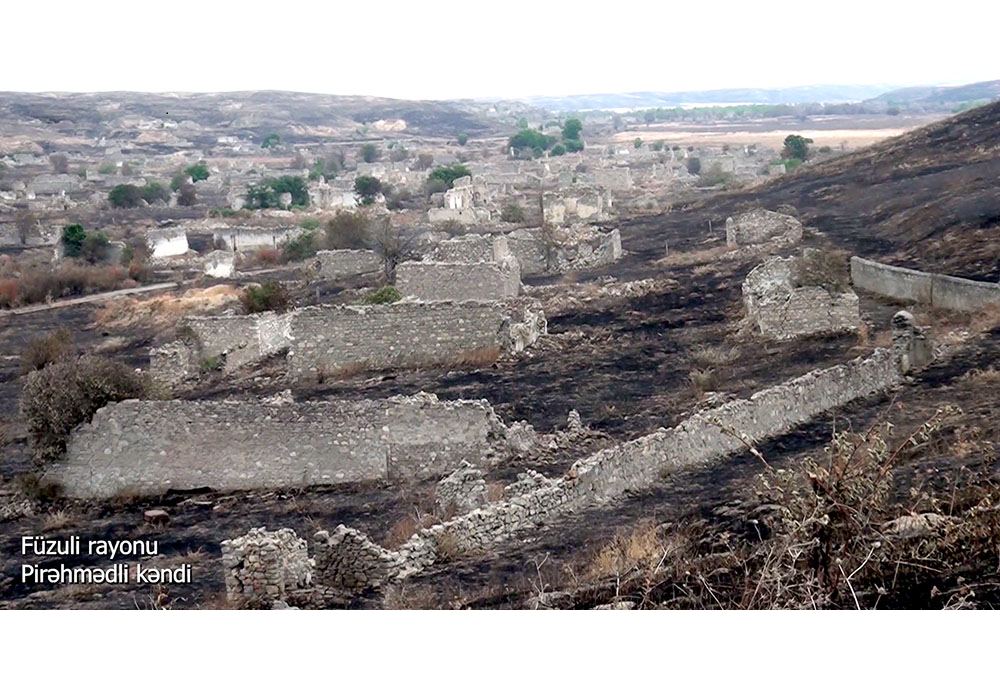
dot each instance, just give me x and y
(89, 298)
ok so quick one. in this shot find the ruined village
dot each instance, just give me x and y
(363, 353)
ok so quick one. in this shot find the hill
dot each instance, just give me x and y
(928, 198)
(967, 93)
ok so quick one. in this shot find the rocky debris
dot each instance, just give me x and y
(760, 226)
(617, 605)
(156, 517)
(347, 560)
(461, 491)
(911, 343)
(917, 525)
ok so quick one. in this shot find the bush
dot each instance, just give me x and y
(448, 174)
(271, 140)
(512, 212)
(796, 147)
(573, 145)
(530, 139)
(125, 196)
(187, 195)
(299, 248)
(557, 150)
(66, 394)
(73, 237)
(269, 296)
(571, 129)
(47, 349)
(95, 247)
(154, 191)
(637, 143)
(435, 186)
(268, 193)
(384, 295)
(369, 153)
(347, 230)
(463, 138)
(197, 172)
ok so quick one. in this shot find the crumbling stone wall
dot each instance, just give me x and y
(461, 491)
(577, 247)
(261, 567)
(147, 447)
(328, 339)
(237, 339)
(639, 464)
(782, 311)
(167, 242)
(759, 226)
(240, 239)
(939, 290)
(470, 249)
(448, 281)
(334, 264)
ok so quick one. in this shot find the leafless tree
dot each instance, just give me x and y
(394, 244)
(60, 163)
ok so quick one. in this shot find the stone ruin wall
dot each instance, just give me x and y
(167, 242)
(347, 562)
(781, 311)
(261, 566)
(536, 256)
(241, 239)
(470, 249)
(759, 226)
(322, 340)
(405, 334)
(336, 264)
(449, 281)
(147, 447)
(935, 289)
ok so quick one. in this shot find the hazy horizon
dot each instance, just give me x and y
(510, 51)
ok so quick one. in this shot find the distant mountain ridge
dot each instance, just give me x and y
(944, 94)
(651, 99)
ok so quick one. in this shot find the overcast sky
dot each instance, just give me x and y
(504, 48)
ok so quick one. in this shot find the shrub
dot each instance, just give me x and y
(197, 172)
(398, 153)
(435, 186)
(65, 394)
(448, 174)
(154, 191)
(557, 150)
(299, 248)
(60, 163)
(268, 193)
(73, 237)
(269, 296)
(95, 247)
(106, 169)
(9, 292)
(571, 129)
(384, 295)
(424, 161)
(46, 350)
(463, 138)
(573, 145)
(347, 230)
(694, 165)
(512, 212)
(532, 140)
(125, 196)
(271, 140)
(268, 256)
(368, 153)
(187, 195)
(637, 143)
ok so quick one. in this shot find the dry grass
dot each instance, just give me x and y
(57, 520)
(46, 350)
(703, 380)
(640, 549)
(478, 357)
(989, 376)
(403, 530)
(985, 319)
(164, 310)
(697, 257)
(714, 356)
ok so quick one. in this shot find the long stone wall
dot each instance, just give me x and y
(334, 264)
(938, 290)
(325, 340)
(405, 334)
(705, 437)
(148, 447)
(447, 281)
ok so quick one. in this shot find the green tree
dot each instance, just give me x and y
(448, 174)
(155, 191)
(796, 147)
(197, 172)
(291, 184)
(369, 153)
(573, 145)
(531, 139)
(637, 143)
(73, 237)
(125, 196)
(557, 150)
(571, 129)
(271, 140)
(367, 187)
(463, 138)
